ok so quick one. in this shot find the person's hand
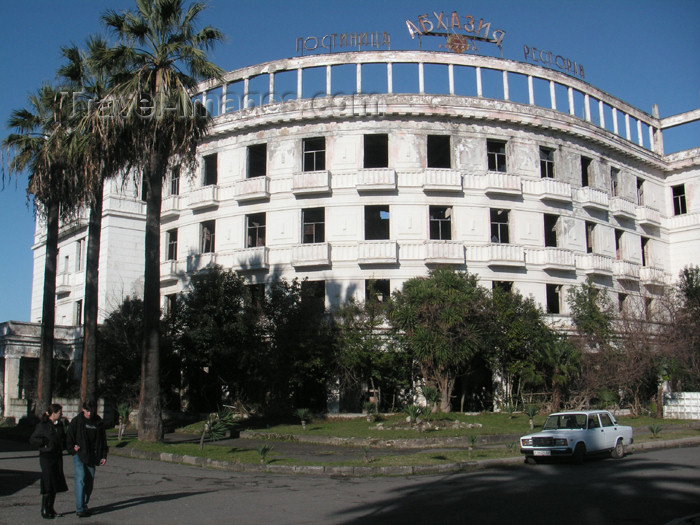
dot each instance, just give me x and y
(76, 448)
(102, 462)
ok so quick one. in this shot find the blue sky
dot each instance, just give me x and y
(644, 52)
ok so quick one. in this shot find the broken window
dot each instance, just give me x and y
(211, 172)
(585, 171)
(376, 223)
(504, 286)
(208, 237)
(313, 225)
(499, 226)
(439, 151)
(618, 244)
(376, 151)
(496, 153)
(257, 161)
(313, 294)
(546, 163)
(640, 191)
(550, 229)
(377, 290)
(172, 245)
(621, 302)
(441, 223)
(614, 182)
(255, 230)
(553, 298)
(314, 154)
(679, 205)
(590, 237)
(645, 251)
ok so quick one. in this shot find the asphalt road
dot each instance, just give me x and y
(644, 488)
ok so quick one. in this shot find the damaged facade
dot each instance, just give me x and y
(372, 167)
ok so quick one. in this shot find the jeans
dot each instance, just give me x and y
(84, 480)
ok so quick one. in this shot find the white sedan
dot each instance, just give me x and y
(577, 434)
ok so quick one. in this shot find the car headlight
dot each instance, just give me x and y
(526, 442)
(560, 442)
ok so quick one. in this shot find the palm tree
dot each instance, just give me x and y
(151, 98)
(98, 158)
(38, 144)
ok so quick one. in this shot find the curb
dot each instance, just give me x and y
(364, 471)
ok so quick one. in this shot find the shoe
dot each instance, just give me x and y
(83, 513)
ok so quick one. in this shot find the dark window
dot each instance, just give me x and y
(377, 290)
(496, 153)
(376, 154)
(614, 182)
(313, 294)
(170, 303)
(553, 298)
(175, 181)
(499, 226)
(547, 163)
(441, 223)
(172, 245)
(621, 300)
(208, 232)
(607, 421)
(439, 151)
(255, 296)
(590, 237)
(313, 225)
(376, 223)
(314, 154)
(679, 205)
(79, 312)
(211, 171)
(255, 230)
(585, 170)
(550, 229)
(618, 244)
(504, 286)
(640, 191)
(257, 161)
(645, 250)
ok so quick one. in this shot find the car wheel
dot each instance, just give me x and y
(530, 460)
(619, 451)
(579, 453)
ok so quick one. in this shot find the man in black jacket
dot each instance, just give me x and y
(87, 442)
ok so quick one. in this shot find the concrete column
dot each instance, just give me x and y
(11, 381)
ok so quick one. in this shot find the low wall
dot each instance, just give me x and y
(19, 408)
(682, 405)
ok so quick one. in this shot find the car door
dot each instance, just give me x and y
(595, 434)
(609, 430)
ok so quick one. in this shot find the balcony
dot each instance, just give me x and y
(377, 252)
(442, 180)
(444, 252)
(199, 261)
(648, 216)
(168, 271)
(376, 179)
(652, 276)
(252, 258)
(317, 254)
(310, 182)
(256, 188)
(205, 197)
(594, 264)
(590, 198)
(170, 208)
(497, 254)
(548, 190)
(623, 208)
(64, 284)
(551, 258)
(625, 271)
(495, 183)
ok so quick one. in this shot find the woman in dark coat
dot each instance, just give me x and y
(50, 436)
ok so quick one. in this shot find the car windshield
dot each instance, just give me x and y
(564, 421)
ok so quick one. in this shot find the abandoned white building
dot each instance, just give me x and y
(351, 168)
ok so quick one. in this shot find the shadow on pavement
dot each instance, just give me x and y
(12, 481)
(135, 502)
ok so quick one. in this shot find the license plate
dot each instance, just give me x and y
(543, 453)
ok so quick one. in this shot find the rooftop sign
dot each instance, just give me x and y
(461, 33)
(334, 41)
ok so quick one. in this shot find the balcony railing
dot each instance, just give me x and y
(648, 216)
(170, 208)
(376, 179)
(548, 189)
(442, 180)
(592, 198)
(317, 254)
(650, 275)
(594, 264)
(252, 258)
(625, 271)
(444, 252)
(623, 208)
(205, 197)
(494, 183)
(168, 271)
(64, 283)
(551, 258)
(377, 252)
(497, 254)
(256, 188)
(311, 182)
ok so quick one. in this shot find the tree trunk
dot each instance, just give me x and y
(48, 312)
(447, 384)
(88, 378)
(150, 422)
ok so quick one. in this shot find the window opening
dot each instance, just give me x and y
(175, 181)
(257, 161)
(377, 290)
(679, 204)
(496, 153)
(621, 300)
(441, 223)
(590, 237)
(618, 244)
(640, 191)
(585, 171)
(255, 230)
(376, 151)
(313, 225)
(614, 181)
(208, 244)
(546, 163)
(314, 154)
(553, 298)
(499, 226)
(550, 230)
(172, 245)
(439, 151)
(645, 251)
(211, 171)
(376, 223)
(313, 293)
(79, 312)
(504, 286)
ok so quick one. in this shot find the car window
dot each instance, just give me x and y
(606, 420)
(572, 421)
(593, 421)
